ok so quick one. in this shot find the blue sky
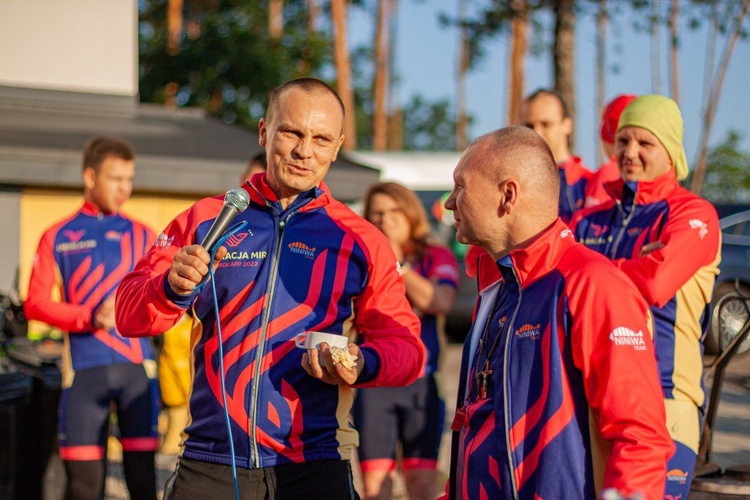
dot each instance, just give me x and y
(426, 63)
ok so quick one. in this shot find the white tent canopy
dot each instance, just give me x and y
(419, 171)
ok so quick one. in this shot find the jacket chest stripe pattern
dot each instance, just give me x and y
(482, 434)
(558, 421)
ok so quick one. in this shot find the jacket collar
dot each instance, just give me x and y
(261, 193)
(532, 262)
(643, 192)
(92, 209)
(574, 169)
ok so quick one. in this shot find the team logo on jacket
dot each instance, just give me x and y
(627, 337)
(74, 236)
(236, 239)
(113, 235)
(598, 229)
(566, 233)
(163, 241)
(677, 476)
(701, 226)
(529, 331)
(634, 231)
(75, 246)
(302, 249)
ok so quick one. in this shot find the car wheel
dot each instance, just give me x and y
(729, 315)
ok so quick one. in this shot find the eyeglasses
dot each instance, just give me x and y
(382, 214)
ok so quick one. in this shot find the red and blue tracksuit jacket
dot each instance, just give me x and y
(574, 178)
(314, 266)
(572, 403)
(676, 280)
(438, 264)
(84, 257)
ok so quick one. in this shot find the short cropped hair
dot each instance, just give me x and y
(100, 148)
(552, 93)
(311, 85)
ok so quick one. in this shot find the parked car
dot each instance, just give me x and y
(730, 308)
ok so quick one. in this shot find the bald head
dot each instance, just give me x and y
(523, 154)
(506, 190)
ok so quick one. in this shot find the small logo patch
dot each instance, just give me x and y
(301, 248)
(701, 226)
(74, 236)
(677, 476)
(162, 241)
(529, 331)
(113, 235)
(236, 239)
(627, 337)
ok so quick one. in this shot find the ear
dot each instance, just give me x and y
(89, 178)
(508, 196)
(338, 147)
(262, 132)
(567, 126)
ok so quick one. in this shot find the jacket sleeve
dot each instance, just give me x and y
(691, 239)
(45, 278)
(612, 347)
(386, 321)
(142, 308)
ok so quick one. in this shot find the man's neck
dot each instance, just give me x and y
(562, 156)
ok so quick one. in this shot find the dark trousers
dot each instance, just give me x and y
(309, 480)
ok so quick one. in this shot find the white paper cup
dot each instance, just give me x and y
(312, 340)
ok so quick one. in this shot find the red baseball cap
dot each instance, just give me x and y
(611, 116)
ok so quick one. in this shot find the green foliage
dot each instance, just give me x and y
(230, 67)
(727, 177)
(429, 126)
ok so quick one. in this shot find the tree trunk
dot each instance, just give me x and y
(380, 88)
(276, 18)
(396, 130)
(343, 71)
(174, 26)
(601, 66)
(462, 121)
(518, 48)
(655, 48)
(313, 12)
(563, 60)
(713, 100)
(674, 50)
(708, 70)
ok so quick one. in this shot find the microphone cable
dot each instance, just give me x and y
(231, 231)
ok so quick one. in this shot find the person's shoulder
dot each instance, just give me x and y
(684, 200)
(582, 264)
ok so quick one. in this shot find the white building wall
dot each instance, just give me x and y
(75, 45)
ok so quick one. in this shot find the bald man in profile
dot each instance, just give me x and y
(559, 358)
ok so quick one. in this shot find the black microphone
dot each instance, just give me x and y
(235, 201)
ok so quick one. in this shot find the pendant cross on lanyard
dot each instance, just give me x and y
(484, 374)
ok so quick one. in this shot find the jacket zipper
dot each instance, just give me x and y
(625, 222)
(271, 288)
(100, 229)
(506, 387)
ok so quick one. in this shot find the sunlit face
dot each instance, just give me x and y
(473, 200)
(386, 214)
(544, 115)
(112, 185)
(640, 155)
(302, 137)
